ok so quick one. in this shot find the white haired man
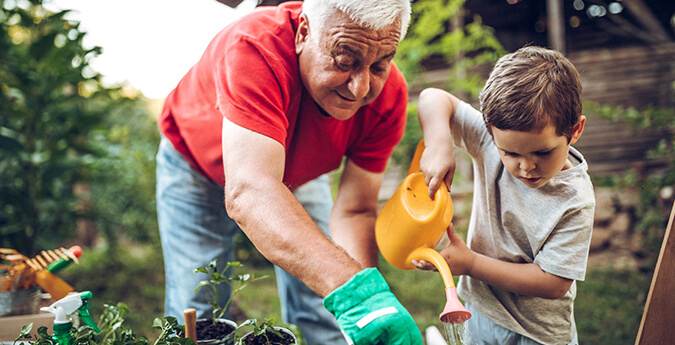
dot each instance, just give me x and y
(278, 99)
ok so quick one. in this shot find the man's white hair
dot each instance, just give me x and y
(375, 14)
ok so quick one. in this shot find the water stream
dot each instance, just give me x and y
(456, 333)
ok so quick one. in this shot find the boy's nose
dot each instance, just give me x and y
(527, 165)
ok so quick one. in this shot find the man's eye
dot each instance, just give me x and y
(379, 67)
(344, 62)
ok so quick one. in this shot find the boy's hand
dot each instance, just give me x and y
(438, 165)
(457, 254)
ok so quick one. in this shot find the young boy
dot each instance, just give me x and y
(533, 201)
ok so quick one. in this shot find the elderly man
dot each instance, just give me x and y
(279, 98)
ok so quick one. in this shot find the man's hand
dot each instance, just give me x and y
(368, 313)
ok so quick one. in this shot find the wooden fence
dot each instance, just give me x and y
(629, 77)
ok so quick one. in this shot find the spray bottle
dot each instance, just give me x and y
(63, 310)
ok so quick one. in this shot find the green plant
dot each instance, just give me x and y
(236, 283)
(168, 326)
(113, 331)
(263, 329)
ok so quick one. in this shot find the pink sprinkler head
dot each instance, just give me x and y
(454, 311)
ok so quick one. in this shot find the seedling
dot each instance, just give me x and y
(113, 331)
(236, 283)
(263, 328)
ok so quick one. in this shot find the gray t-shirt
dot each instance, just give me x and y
(550, 226)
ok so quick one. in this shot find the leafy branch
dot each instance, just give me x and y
(236, 282)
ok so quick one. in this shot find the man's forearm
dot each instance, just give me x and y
(283, 232)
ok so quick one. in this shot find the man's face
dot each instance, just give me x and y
(344, 66)
(533, 157)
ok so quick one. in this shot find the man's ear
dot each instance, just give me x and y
(302, 35)
(578, 129)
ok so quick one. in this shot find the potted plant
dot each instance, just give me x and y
(266, 333)
(219, 330)
(113, 331)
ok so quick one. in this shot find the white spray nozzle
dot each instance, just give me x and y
(63, 308)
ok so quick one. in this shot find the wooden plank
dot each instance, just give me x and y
(656, 327)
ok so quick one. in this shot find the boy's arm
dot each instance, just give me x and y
(521, 278)
(435, 110)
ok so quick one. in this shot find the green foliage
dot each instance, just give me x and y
(138, 281)
(405, 149)
(431, 36)
(236, 282)
(169, 326)
(113, 331)
(44, 120)
(53, 109)
(650, 216)
(123, 177)
(262, 328)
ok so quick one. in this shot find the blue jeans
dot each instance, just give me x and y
(195, 228)
(482, 331)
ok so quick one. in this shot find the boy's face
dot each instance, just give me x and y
(535, 157)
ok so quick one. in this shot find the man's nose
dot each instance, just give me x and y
(359, 83)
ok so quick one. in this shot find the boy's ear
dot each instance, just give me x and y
(578, 129)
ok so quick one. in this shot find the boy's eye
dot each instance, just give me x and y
(544, 153)
(510, 154)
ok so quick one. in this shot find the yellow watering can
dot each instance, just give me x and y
(410, 226)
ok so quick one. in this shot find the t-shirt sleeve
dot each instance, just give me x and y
(468, 129)
(565, 253)
(249, 89)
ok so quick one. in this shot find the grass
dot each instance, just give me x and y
(608, 308)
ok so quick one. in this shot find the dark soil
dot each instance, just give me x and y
(206, 330)
(285, 339)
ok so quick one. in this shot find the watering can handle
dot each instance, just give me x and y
(415, 164)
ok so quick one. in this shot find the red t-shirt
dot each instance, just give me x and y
(249, 73)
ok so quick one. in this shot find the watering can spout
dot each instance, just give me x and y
(454, 311)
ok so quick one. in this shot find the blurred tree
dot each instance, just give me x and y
(123, 179)
(51, 102)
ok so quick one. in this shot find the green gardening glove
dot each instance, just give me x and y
(369, 314)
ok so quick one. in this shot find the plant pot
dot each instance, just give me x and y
(20, 302)
(222, 333)
(288, 338)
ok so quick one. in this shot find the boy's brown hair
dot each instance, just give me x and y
(529, 89)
